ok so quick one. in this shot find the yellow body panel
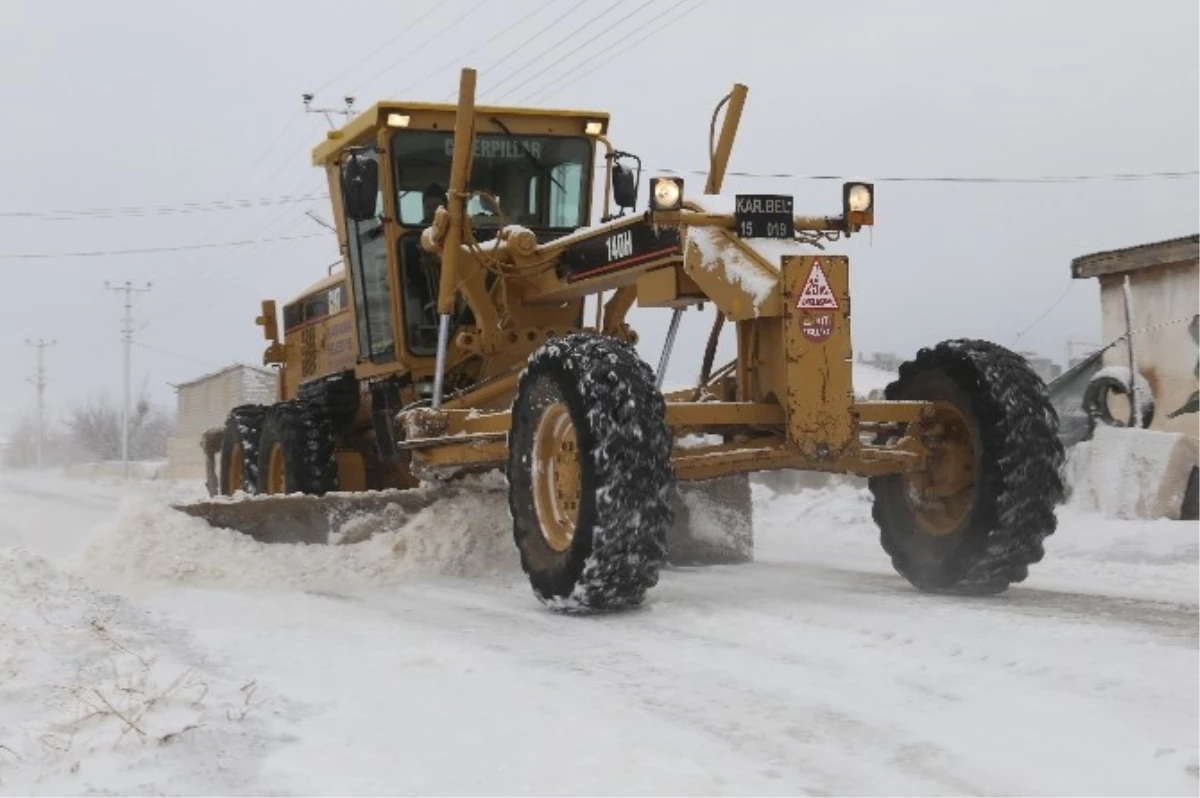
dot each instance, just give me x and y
(787, 401)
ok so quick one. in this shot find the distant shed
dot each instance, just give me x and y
(1164, 281)
(203, 403)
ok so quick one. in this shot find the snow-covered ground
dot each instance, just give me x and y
(141, 652)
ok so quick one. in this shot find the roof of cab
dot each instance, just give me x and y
(328, 281)
(360, 127)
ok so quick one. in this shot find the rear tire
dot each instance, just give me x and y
(299, 435)
(1017, 464)
(239, 450)
(604, 544)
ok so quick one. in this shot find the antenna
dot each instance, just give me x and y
(347, 112)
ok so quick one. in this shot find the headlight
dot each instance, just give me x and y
(859, 197)
(666, 193)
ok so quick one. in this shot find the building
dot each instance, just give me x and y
(1165, 312)
(1044, 367)
(204, 403)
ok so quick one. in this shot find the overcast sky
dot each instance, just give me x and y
(135, 104)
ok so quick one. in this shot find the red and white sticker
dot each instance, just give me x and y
(816, 294)
(816, 327)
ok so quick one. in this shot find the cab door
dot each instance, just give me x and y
(366, 242)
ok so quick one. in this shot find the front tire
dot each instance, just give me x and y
(982, 538)
(296, 452)
(239, 450)
(590, 477)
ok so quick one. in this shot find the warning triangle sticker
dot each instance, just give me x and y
(816, 294)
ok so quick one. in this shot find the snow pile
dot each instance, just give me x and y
(1152, 560)
(149, 543)
(92, 696)
(1130, 473)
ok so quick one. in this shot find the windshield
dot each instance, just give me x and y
(540, 181)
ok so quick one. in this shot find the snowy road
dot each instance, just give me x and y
(419, 662)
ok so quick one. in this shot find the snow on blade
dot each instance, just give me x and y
(149, 543)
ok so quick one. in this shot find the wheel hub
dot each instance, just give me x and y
(942, 495)
(233, 467)
(275, 468)
(556, 478)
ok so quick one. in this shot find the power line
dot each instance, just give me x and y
(175, 355)
(424, 42)
(76, 214)
(595, 37)
(83, 214)
(1048, 311)
(458, 59)
(557, 41)
(149, 250)
(525, 40)
(1119, 177)
(562, 79)
(407, 28)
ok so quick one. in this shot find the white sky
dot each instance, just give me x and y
(129, 103)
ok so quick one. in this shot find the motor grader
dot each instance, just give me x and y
(454, 341)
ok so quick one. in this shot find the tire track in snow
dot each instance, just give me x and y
(695, 682)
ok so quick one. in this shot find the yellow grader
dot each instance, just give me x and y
(454, 341)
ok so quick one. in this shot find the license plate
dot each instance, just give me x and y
(764, 216)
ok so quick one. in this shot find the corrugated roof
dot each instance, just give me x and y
(1139, 256)
(219, 372)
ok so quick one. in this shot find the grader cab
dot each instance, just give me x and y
(455, 341)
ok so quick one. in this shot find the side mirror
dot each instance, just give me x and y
(624, 182)
(360, 185)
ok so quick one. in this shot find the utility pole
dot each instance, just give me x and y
(127, 338)
(40, 382)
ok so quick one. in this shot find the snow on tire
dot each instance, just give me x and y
(590, 476)
(301, 434)
(239, 449)
(1017, 464)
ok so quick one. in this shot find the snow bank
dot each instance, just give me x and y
(1131, 473)
(93, 697)
(1153, 560)
(151, 544)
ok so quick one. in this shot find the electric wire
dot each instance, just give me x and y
(571, 53)
(556, 42)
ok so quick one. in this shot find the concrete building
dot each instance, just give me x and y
(1043, 366)
(204, 403)
(1165, 311)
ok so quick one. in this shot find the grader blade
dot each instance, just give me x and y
(713, 518)
(713, 522)
(298, 518)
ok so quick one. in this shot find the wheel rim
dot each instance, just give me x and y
(233, 467)
(275, 468)
(556, 479)
(942, 496)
